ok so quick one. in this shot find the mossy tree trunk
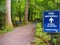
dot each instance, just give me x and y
(8, 21)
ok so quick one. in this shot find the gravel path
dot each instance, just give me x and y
(20, 36)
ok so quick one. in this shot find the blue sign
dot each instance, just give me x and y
(51, 21)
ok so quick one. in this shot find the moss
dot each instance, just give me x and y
(8, 29)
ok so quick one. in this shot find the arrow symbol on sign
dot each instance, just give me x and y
(51, 20)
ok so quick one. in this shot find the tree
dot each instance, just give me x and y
(26, 12)
(8, 21)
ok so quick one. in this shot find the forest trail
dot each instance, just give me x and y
(20, 36)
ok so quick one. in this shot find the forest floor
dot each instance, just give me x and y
(19, 36)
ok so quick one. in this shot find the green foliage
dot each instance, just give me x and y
(39, 42)
(57, 1)
(18, 8)
(2, 6)
(5, 30)
(39, 32)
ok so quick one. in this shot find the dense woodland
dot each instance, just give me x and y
(15, 13)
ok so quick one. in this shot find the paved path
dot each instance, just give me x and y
(20, 36)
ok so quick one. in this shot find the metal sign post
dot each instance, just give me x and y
(52, 36)
(51, 23)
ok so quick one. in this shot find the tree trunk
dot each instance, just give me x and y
(26, 12)
(8, 21)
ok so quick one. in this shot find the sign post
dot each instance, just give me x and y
(51, 22)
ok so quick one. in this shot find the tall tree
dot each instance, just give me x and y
(8, 21)
(26, 11)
